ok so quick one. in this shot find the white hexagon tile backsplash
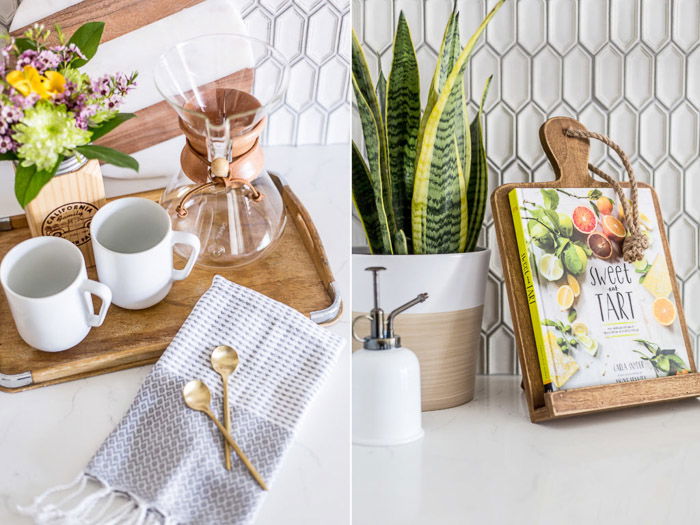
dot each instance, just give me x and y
(626, 68)
(315, 37)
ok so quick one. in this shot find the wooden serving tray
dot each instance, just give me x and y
(569, 158)
(295, 272)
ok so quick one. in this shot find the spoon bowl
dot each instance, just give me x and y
(224, 359)
(197, 395)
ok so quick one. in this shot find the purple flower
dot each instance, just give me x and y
(7, 144)
(27, 58)
(47, 60)
(10, 114)
(67, 54)
(114, 101)
(21, 101)
(41, 61)
(101, 86)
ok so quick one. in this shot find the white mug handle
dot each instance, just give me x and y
(191, 240)
(104, 293)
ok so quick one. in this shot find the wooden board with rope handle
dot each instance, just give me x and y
(569, 158)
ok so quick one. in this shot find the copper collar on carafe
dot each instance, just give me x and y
(247, 161)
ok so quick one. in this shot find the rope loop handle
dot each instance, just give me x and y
(636, 242)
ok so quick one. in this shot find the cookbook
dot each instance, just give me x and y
(596, 318)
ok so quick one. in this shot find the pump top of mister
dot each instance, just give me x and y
(382, 336)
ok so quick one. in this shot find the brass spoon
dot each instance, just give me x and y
(197, 397)
(224, 361)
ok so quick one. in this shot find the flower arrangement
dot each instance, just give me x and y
(51, 110)
(422, 183)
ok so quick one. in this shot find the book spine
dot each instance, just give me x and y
(528, 277)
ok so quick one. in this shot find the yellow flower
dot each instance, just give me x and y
(54, 82)
(29, 81)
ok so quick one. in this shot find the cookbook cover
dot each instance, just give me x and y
(597, 319)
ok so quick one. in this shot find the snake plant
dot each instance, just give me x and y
(421, 184)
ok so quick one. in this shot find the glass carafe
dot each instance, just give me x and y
(222, 88)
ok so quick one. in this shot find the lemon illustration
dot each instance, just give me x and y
(573, 282)
(565, 297)
(590, 345)
(550, 267)
(563, 365)
(640, 265)
(579, 328)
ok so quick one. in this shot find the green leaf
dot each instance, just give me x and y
(23, 43)
(439, 128)
(374, 172)
(437, 205)
(553, 218)
(551, 198)
(108, 125)
(477, 191)
(362, 85)
(8, 156)
(87, 37)
(381, 93)
(29, 181)
(403, 119)
(447, 48)
(572, 315)
(400, 244)
(370, 207)
(109, 156)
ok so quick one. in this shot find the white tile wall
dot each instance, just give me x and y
(627, 68)
(315, 37)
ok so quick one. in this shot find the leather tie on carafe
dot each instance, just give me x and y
(247, 161)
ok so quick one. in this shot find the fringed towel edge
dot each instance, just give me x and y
(79, 502)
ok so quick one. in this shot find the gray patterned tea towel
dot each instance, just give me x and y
(164, 463)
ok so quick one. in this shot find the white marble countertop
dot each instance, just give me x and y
(48, 435)
(485, 463)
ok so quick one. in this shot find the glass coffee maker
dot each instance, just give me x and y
(223, 87)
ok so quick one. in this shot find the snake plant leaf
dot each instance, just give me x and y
(403, 119)
(447, 47)
(464, 203)
(449, 52)
(381, 93)
(400, 243)
(446, 225)
(369, 205)
(437, 161)
(371, 136)
(447, 193)
(477, 188)
(362, 84)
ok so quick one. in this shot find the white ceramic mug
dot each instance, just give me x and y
(133, 240)
(48, 291)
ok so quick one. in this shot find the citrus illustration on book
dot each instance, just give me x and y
(597, 319)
